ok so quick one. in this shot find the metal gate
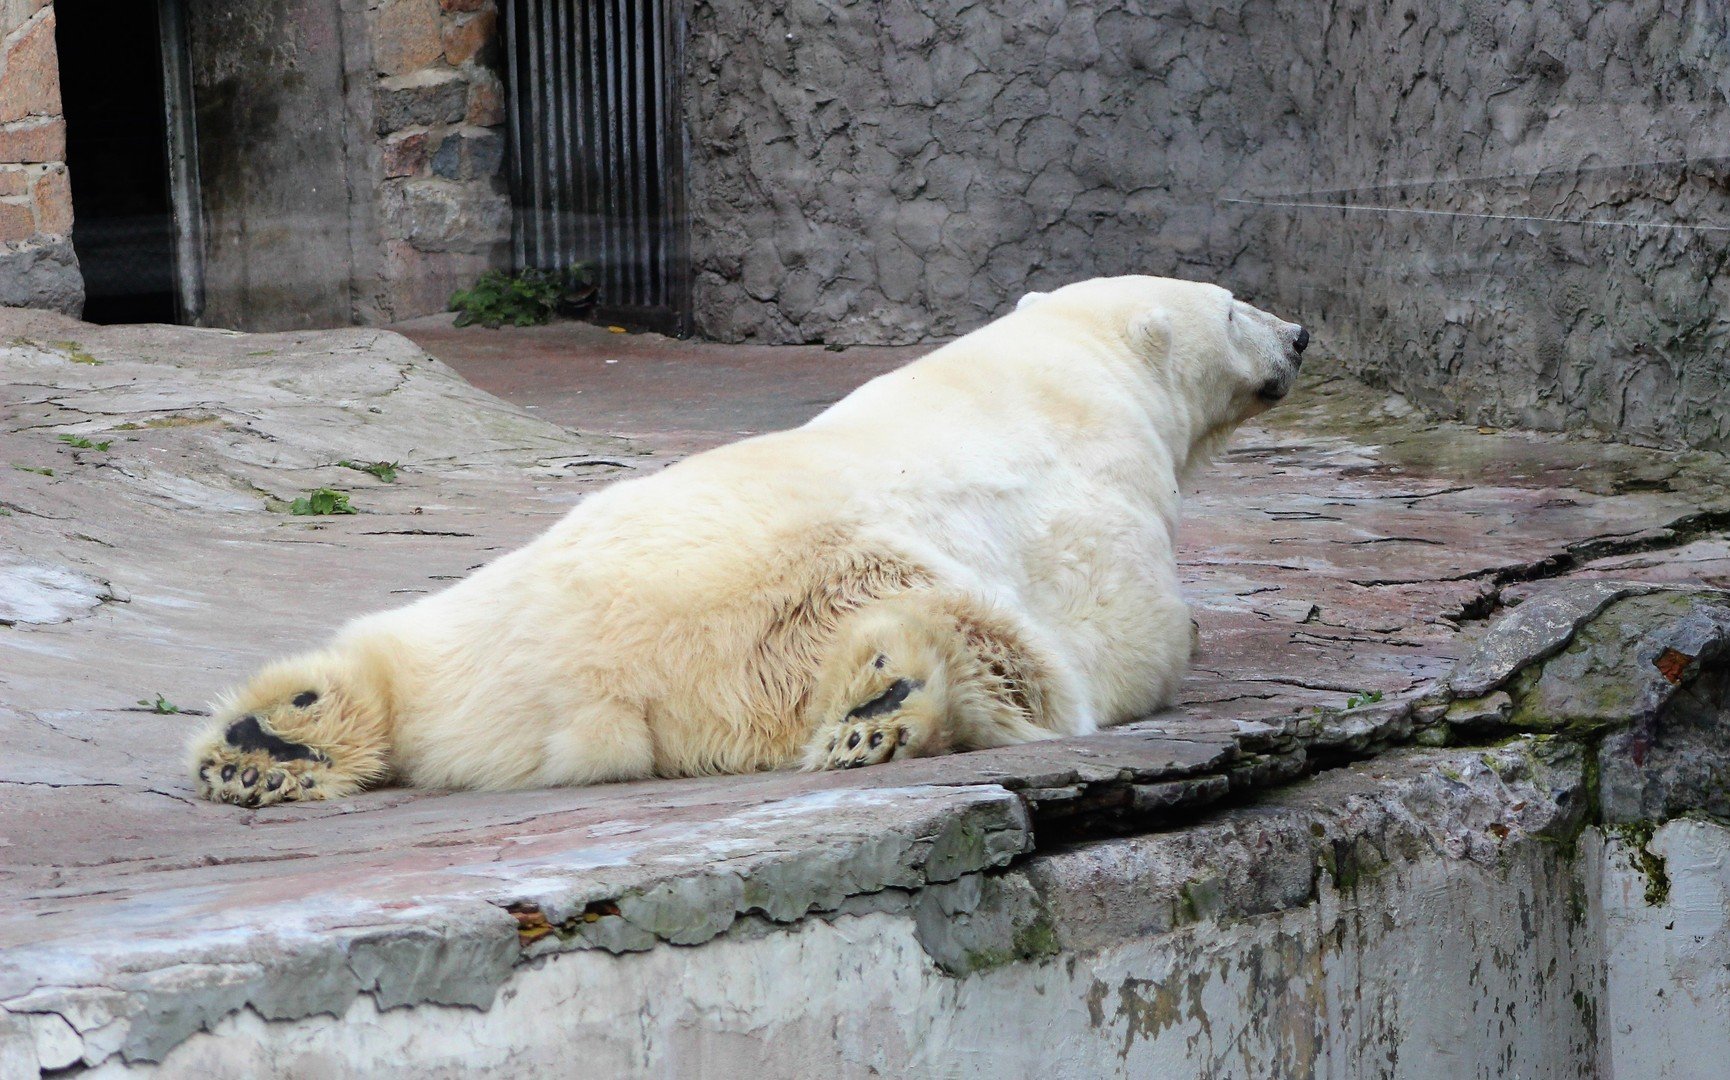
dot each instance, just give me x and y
(597, 150)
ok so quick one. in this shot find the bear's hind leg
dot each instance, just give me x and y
(910, 678)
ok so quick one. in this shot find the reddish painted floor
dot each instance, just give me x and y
(677, 397)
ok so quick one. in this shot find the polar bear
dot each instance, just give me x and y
(972, 551)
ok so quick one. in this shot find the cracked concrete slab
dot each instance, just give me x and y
(1344, 550)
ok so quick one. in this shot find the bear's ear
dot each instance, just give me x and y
(1029, 300)
(1150, 333)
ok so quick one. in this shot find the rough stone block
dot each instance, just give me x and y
(437, 215)
(52, 196)
(468, 36)
(486, 100)
(17, 220)
(425, 97)
(406, 36)
(41, 272)
(30, 79)
(469, 154)
(464, 5)
(33, 140)
(404, 154)
(14, 180)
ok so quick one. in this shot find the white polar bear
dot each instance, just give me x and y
(972, 551)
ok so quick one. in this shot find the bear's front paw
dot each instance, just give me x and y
(247, 765)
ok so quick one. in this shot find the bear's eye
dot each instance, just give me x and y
(304, 698)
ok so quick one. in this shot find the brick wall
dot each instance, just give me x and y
(37, 265)
(444, 208)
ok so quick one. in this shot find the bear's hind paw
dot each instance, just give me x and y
(886, 727)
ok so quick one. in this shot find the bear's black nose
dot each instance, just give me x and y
(1303, 340)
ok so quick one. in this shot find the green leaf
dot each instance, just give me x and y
(320, 502)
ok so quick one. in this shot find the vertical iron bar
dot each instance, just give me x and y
(640, 114)
(628, 145)
(555, 180)
(513, 99)
(575, 141)
(537, 192)
(657, 80)
(615, 173)
(548, 136)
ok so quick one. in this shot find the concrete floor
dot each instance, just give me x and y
(1343, 545)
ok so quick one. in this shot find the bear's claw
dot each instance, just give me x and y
(861, 741)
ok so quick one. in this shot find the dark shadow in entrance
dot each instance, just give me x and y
(117, 157)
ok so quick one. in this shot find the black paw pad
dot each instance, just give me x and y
(876, 739)
(249, 778)
(888, 701)
(852, 740)
(227, 773)
(274, 780)
(248, 734)
(305, 698)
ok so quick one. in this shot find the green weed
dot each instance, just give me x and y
(79, 442)
(384, 470)
(526, 298)
(321, 502)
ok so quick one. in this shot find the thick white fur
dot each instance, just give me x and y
(984, 536)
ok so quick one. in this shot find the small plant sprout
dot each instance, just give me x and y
(161, 705)
(384, 470)
(79, 442)
(320, 502)
(1363, 697)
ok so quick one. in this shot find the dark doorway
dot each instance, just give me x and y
(111, 86)
(597, 151)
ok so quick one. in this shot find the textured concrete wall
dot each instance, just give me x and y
(37, 265)
(1514, 213)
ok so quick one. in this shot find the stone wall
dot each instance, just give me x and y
(37, 264)
(1514, 213)
(444, 208)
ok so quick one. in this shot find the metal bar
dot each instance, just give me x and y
(514, 130)
(537, 191)
(548, 137)
(640, 120)
(657, 100)
(550, 132)
(615, 173)
(575, 142)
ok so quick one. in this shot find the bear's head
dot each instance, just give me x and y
(1223, 359)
